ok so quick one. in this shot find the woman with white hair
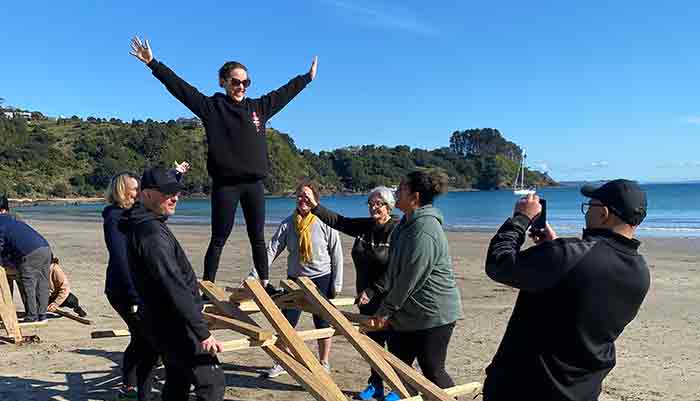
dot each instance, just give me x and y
(370, 253)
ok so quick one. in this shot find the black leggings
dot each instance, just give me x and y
(224, 201)
(429, 346)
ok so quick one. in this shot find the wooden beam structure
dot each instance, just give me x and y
(287, 347)
(8, 312)
(291, 338)
(360, 342)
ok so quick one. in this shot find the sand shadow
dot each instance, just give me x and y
(101, 385)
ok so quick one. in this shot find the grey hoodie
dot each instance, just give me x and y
(419, 282)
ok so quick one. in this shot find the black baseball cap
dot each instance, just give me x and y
(4, 204)
(161, 179)
(624, 198)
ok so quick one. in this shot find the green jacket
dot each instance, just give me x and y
(419, 282)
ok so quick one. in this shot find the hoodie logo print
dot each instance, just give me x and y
(256, 121)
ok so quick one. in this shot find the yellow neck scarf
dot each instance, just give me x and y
(303, 227)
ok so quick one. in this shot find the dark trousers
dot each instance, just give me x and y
(224, 202)
(325, 286)
(139, 358)
(204, 372)
(429, 346)
(380, 337)
(70, 302)
(33, 272)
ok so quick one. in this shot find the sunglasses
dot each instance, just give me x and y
(587, 205)
(237, 82)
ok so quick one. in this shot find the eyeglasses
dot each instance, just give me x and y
(376, 204)
(237, 82)
(587, 205)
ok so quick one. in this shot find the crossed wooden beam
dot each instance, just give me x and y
(300, 362)
(231, 310)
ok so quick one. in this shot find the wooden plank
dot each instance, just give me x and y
(429, 389)
(306, 335)
(359, 341)
(289, 285)
(222, 306)
(456, 391)
(238, 294)
(247, 329)
(8, 312)
(282, 302)
(289, 336)
(310, 381)
(218, 297)
(72, 316)
(110, 333)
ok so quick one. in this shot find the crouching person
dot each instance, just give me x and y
(60, 295)
(171, 309)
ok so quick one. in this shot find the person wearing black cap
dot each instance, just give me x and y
(576, 297)
(171, 307)
(28, 251)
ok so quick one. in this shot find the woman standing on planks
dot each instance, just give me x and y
(237, 148)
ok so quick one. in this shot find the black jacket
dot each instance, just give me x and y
(576, 297)
(370, 251)
(171, 304)
(237, 148)
(119, 285)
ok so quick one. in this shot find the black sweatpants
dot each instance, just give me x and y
(429, 347)
(140, 357)
(224, 202)
(204, 372)
(379, 337)
(70, 302)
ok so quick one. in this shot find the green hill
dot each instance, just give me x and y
(74, 157)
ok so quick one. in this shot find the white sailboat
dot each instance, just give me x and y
(519, 187)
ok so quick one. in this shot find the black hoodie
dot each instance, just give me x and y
(576, 297)
(172, 306)
(119, 286)
(237, 148)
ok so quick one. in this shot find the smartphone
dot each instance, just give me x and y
(540, 222)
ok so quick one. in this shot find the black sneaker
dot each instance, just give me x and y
(272, 291)
(80, 311)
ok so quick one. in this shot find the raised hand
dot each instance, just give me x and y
(309, 197)
(529, 206)
(183, 167)
(314, 66)
(141, 50)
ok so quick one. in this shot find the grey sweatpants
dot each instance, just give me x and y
(33, 272)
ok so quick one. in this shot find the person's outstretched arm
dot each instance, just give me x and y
(187, 94)
(271, 103)
(350, 226)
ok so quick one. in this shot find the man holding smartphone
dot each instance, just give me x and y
(576, 296)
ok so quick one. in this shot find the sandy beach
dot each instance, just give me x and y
(657, 353)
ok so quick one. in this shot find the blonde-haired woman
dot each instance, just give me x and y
(139, 357)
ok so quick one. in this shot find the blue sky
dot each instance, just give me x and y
(592, 90)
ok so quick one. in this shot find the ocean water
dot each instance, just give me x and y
(674, 210)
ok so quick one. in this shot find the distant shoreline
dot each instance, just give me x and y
(81, 200)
